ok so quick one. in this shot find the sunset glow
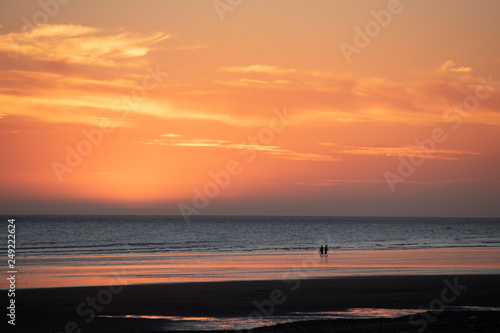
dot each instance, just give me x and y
(141, 108)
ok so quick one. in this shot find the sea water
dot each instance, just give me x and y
(100, 235)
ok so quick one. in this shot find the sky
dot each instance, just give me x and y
(250, 107)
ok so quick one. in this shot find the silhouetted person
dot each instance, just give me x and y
(321, 251)
(326, 250)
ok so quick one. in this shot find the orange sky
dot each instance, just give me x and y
(317, 107)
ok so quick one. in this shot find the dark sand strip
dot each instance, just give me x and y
(50, 309)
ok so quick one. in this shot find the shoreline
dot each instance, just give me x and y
(52, 308)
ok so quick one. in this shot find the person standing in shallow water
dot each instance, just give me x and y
(326, 250)
(321, 251)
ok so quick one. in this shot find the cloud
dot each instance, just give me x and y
(170, 135)
(408, 151)
(275, 151)
(351, 120)
(258, 69)
(254, 82)
(453, 181)
(76, 74)
(335, 182)
(450, 66)
(297, 156)
(77, 44)
(187, 47)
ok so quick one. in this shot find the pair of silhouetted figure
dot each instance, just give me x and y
(323, 251)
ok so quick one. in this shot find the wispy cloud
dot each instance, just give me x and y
(170, 135)
(187, 47)
(451, 66)
(345, 99)
(254, 82)
(258, 69)
(408, 151)
(454, 181)
(335, 182)
(275, 151)
(77, 44)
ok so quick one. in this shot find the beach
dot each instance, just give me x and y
(151, 307)
(147, 268)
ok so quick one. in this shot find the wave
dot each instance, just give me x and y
(120, 234)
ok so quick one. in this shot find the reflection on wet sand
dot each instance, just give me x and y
(202, 267)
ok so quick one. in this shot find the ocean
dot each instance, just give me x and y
(108, 235)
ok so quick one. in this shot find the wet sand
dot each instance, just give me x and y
(70, 309)
(68, 271)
